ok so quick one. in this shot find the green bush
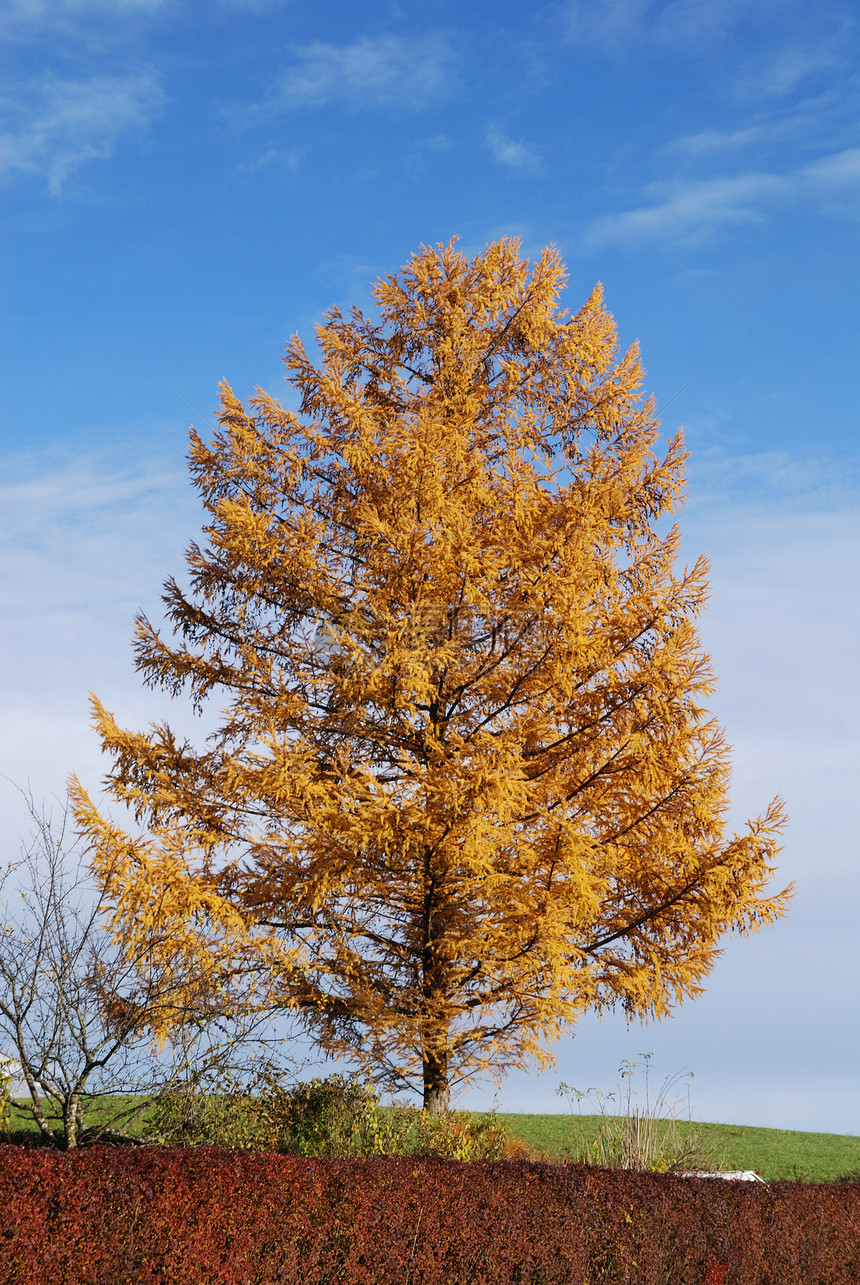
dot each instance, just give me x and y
(333, 1117)
(187, 1117)
(338, 1117)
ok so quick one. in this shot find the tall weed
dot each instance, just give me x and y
(645, 1137)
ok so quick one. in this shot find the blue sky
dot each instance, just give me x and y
(187, 185)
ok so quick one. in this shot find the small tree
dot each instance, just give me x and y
(464, 786)
(80, 1007)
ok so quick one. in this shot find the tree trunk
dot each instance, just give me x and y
(70, 1122)
(436, 1090)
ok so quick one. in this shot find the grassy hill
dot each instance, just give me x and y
(773, 1153)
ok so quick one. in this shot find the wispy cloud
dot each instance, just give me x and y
(277, 158)
(812, 124)
(59, 125)
(840, 170)
(608, 23)
(424, 152)
(804, 41)
(618, 24)
(81, 539)
(25, 19)
(789, 67)
(371, 73)
(85, 542)
(710, 141)
(776, 481)
(25, 10)
(506, 151)
(692, 209)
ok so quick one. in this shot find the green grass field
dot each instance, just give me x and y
(773, 1153)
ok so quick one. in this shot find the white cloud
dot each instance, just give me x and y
(828, 116)
(508, 152)
(689, 209)
(384, 71)
(712, 140)
(787, 68)
(620, 24)
(84, 544)
(697, 207)
(616, 25)
(786, 604)
(773, 46)
(67, 531)
(34, 10)
(26, 19)
(773, 478)
(424, 152)
(608, 23)
(840, 170)
(252, 6)
(280, 158)
(62, 124)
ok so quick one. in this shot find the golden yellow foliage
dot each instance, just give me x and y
(463, 786)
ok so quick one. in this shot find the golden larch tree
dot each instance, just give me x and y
(463, 786)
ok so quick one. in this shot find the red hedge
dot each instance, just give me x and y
(173, 1216)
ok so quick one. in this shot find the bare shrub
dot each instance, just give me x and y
(78, 1011)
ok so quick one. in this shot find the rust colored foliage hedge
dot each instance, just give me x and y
(207, 1217)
